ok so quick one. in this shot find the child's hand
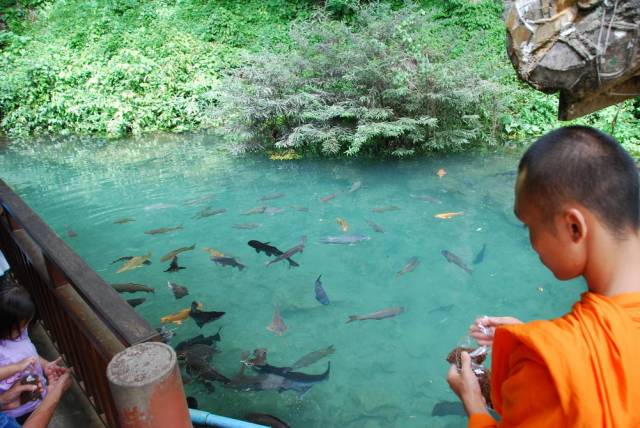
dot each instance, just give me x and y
(59, 385)
(484, 328)
(10, 399)
(23, 365)
(53, 370)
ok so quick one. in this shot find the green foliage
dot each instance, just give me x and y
(370, 87)
(127, 66)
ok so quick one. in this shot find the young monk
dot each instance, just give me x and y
(577, 193)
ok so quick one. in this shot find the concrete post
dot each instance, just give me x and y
(147, 388)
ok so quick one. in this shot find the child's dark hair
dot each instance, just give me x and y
(584, 165)
(16, 308)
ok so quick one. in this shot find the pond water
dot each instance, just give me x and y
(384, 373)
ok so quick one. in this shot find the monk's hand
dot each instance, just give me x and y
(466, 386)
(485, 327)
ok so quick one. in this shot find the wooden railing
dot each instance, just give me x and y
(86, 319)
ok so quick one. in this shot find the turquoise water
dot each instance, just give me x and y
(386, 373)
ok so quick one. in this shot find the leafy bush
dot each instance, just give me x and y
(376, 86)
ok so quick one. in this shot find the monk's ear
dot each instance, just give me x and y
(575, 224)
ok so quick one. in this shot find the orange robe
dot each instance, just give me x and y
(580, 370)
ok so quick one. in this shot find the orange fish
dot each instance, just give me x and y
(343, 224)
(212, 252)
(441, 172)
(178, 317)
(449, 215)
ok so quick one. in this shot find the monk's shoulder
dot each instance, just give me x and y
(563, 332)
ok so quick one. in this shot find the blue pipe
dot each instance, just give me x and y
(209, 419)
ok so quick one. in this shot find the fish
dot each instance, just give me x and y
(328, 198)
(136, 302)
(265, 420)
(385, 209)
(277, 325)
(70, 232)
(269, 250)
(355, 186)
(259, 358)
(196, 201)
(159, 206)
(344, 226)
(273, 210)
(443, 308)
(171, 254)
(447, 408)
(209, 212)
(196, 360)
(124, 220)
(446, 216)
(452, 258)
(198, 340)
(409, 267)
(203, 317)
(132, 287)
(294, 381)
(125, 258)
(375, 227)
(212, 252)
(441, 172)
(300, 208)
(179, 291)
(272, 196)
(163, 230)
(166, 333)
(321, 295)
(313, 357)
(256, 210)
(427, 198)
(173, 267)
(344, 239)
(246, 226)
(134, 263)
(290, 252)
(178, 317)
(228, 261)
(480, 256)
(385, 313)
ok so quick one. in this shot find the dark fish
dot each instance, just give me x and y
(246, 226)
(124, 220)
(452, 258)
(197, 340)
(173, 267)
(70, 232)
(166, 333)
(192, 402)
(131, 287)
(328, 198)
(480, 256)
(290, 252)
(385, 313)
(179, 291)
(228, 261)
(265, 420)
(136, 302)
(321, 295)
(269, 250)
(312, 357)
(163, 230)
(125, 258)
(375, 227)
(272, 196)
(409, 267)
(505, 174)
(443, 308)
(197, 364)
(448, 408)
(203, 317)
(385, 209)
(300, 208)
(295, 381)
(171, 254)
(208, 212)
